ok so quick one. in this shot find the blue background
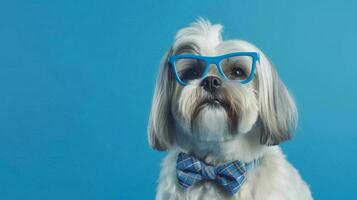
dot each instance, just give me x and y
(76, 82)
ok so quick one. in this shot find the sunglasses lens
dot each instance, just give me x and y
(237, 67)
(189, 69)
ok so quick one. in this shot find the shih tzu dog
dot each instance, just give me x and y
(220, 109)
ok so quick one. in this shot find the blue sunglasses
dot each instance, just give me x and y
(239, 66)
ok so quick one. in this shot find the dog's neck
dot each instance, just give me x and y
(244, 147)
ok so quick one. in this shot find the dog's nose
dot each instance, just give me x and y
(211, 83)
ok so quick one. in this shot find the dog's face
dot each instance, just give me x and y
(213, 108)
(217, 109)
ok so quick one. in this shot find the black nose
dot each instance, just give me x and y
(211, 83)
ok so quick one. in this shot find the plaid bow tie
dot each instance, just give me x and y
(230, 175)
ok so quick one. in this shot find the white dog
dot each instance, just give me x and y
(215, 115)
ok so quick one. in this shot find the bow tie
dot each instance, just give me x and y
(229, 175)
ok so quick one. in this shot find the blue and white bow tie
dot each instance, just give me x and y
(229, 175)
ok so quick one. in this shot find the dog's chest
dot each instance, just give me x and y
(210, 190)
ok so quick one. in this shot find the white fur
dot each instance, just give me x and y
(267, 113)
(213, 125)
(273, 179)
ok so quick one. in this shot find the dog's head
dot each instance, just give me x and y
(210, 102)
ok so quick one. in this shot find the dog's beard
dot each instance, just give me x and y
(210, 123)
(214, 116)
(214, 108)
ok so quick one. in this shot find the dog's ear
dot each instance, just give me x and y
(277, 110)
(160, 126)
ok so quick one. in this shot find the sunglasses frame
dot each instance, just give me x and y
(216, 61)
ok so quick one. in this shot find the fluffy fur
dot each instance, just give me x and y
(249, 122)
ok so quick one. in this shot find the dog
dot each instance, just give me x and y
(220, 110)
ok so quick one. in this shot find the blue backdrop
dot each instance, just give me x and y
(76, 82)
